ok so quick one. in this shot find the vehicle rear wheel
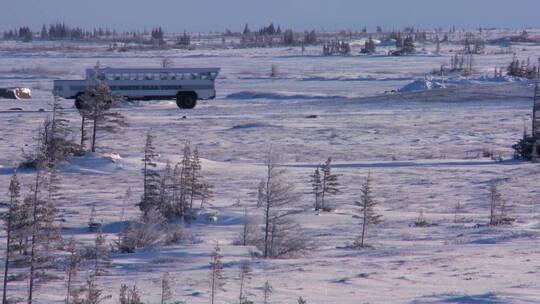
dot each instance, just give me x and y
(79, 103)
(186, 101)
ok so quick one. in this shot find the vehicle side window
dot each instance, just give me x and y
(100, 76)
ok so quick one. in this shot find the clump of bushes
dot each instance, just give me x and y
(527, 148)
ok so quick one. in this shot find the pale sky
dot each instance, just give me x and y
(210, 15)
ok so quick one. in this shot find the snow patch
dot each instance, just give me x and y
(424, 84)
(282, 96)
(91, 163)
(430, 83)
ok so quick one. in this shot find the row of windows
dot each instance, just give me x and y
(159, 76)
(146, 88)
(130, 88)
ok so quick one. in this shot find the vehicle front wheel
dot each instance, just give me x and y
(186, 101)
(79, 103)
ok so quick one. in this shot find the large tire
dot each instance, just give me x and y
(79, 103)
(186, 101)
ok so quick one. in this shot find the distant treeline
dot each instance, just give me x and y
(265, 36)
(62, 31)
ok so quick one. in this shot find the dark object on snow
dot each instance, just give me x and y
(16, 93)
(93, 227)
(312, 116)
(336, 48)
(506, 221)
(528, 148)
(15, 109)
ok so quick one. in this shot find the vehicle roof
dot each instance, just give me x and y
(158, 70)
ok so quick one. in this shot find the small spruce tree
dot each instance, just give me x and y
(166, 294)
(245, 275)
(316, 185)
(267, 292)
(102, 260)
(10, 220)
(217, 280)
(367, 205)
(73, 265)
(330, 183)
(151, 178)
(495, 202)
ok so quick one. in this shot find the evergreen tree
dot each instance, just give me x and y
(271, 30)
(277, 198)
(457, 209)
(73, 265)
(44, 34)
(310, 37)
(249, 234)
(177, 192)
(102, 260)
(94, 294)
(496, 199)
(369, 46)
(166, 294)
(216, 273)
(166, 191)
(185, 178)
(246, 31)
(198, 187)
(267, 292)
(367, 205)
(95, 106)
(316, 184)
(288, 37)
(151, 178)
(330, 184)
(129, 295)
(195, 178)
(43, 231)
(11, 220)
(93, 225)
(408, 45)
(245, 275)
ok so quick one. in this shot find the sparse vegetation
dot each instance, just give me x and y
(170, 206)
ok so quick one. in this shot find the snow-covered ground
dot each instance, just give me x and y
(422, 144)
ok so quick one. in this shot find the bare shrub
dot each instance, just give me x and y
(36, 70)
(147, 232)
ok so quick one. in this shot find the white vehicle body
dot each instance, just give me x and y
(146, 83)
